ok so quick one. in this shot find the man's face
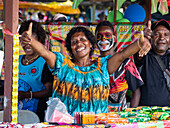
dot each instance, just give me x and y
(160, 40)
(105, 38)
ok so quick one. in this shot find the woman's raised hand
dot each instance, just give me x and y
(29, 32)
(26, 36)
(144, 45)
(144, 42)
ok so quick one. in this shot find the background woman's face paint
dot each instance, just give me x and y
(104, 40)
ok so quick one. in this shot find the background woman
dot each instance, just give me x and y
(35, 79)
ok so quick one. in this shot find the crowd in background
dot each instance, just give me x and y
(49, 17)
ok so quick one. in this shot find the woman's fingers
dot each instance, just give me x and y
(143, 51)
(144, 42)
(29, 32)
(26, 36)
(141, 43)
(142, 37)
(145, 48)
(148, 36)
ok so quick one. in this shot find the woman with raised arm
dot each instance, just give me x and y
(35, 79)
(82, 84)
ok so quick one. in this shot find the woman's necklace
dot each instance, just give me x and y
(30, 59)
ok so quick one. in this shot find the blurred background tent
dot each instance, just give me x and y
(159, 8)
(56, 7)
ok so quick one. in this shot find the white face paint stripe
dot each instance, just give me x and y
(105, 47)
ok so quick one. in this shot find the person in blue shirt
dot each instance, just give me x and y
(35, 79)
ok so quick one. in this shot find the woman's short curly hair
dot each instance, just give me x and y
(89, 35)
(36, 28)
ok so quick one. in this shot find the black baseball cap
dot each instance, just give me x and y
(160, 22)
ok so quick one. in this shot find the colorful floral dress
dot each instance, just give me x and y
(81, 89)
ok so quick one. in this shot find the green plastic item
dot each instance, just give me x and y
(110, 16)
(132, 119)
(123, 20)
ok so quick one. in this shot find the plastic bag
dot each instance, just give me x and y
(57, 112)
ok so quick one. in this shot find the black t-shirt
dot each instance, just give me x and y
(154, 92)
(46, 75)
(42, 105)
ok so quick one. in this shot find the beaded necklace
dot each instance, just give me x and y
(30, 59)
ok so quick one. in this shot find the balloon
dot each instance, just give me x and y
(123, 20)
(135, 13)
(110, 16)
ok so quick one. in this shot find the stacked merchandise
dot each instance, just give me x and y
(131, 115)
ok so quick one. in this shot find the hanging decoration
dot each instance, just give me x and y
(15, 78)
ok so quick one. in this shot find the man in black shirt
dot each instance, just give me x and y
(155, 91)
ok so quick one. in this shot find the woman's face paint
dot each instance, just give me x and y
(105, 38)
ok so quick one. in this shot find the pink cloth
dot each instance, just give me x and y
(61, 118)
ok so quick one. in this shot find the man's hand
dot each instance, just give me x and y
(148, 31)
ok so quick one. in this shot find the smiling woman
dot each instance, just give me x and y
(81, 84)
(81, 45)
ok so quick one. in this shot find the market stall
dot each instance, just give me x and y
(126, 32)
(140, 117)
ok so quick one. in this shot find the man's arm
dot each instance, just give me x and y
(135, 98)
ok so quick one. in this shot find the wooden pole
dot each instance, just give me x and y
(94, 11)
(115, 11)
(11, 23)
(150, 9)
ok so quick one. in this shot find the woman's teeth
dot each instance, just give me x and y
(80, 49)
(28, 49)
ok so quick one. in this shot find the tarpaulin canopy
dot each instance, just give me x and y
(162, 8)
(168, 2)
(58, 7)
